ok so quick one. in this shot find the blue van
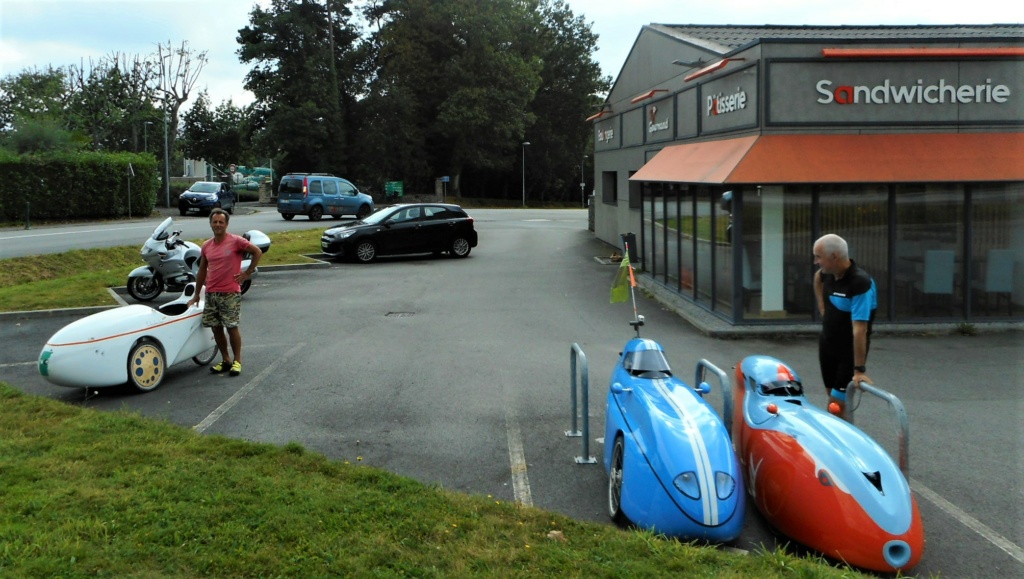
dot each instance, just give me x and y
(318, 194)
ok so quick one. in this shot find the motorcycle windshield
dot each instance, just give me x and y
(162, 231)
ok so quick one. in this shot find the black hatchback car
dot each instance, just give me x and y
(403, 229)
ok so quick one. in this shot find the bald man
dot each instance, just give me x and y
(847, 301)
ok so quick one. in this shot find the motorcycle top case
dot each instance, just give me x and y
(259, 239)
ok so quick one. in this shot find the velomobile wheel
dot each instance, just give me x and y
(246, 285)
(615, 482)
(204, 358)
(146, 366)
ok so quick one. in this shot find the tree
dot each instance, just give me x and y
(570, 84)
(460, 84)
(452, 85)
(300, 51)
(34, 94)
(112, 99)
(178, 72)
(218, 135)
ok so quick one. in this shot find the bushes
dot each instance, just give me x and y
(75, 185)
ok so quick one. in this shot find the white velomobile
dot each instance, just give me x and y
(132, 344)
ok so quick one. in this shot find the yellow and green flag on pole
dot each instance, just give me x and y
(624, 280)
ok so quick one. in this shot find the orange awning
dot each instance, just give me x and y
(897, 158)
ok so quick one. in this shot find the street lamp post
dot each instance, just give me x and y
(167, 161)
(525, 144)
(583, 182)
(145, 135)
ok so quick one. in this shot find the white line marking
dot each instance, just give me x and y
(55, 233)
(227, 405)
(19, 364)
(968, 521)
(517, 458)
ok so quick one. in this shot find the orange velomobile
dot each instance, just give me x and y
(818, 479)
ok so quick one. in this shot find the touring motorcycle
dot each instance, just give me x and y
(172, 262)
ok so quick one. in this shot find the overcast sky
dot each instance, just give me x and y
(38, 33)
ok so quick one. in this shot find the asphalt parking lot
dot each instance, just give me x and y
(456, 373)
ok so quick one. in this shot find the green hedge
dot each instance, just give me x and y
(76, 185)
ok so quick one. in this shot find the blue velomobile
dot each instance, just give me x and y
(670, 462)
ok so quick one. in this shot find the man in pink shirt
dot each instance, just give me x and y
(220, 270)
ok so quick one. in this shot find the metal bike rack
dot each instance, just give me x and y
(576, 353)
(723, 383)
(903, 430)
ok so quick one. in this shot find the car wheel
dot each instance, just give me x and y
(145, 288)
(288, 216)
(181, 212)
(459, 247)
(146, 365)
(366, 251)
(231, 210)
(315, 213)
(364, 210)
(615, 481)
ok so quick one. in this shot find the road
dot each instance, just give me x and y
(456, 373)
(45, 239)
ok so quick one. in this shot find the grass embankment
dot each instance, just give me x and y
(80, 278)
(90, 493)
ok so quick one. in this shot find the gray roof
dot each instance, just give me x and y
(725, 38)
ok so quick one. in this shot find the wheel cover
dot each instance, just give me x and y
(366, 251)
(615, 481)
(460, 246)
(146, 366)
(315, 214)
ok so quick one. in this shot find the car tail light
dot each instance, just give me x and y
(305, 186)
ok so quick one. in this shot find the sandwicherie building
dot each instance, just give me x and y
(723, 152)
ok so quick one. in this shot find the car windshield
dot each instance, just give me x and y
(204, 187)
(379, 216)
(646, 361)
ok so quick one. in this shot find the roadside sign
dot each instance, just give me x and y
(445, 179)
(393, 188)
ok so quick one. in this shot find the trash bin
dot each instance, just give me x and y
(630, 238)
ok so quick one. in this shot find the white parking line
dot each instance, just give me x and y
(230, 402)
(148, 227)
(517, 458)
(13, 364)
(968, 521)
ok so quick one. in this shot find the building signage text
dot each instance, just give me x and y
(720, 104)
(652, 126)
(887, 93)
(605, 135)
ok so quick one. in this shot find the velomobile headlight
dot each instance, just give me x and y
(725, 485)
(687, 484)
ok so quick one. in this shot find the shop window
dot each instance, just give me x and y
(997, 254)
(609, 187)
(634, 193)
(860, 215)
(927, 276)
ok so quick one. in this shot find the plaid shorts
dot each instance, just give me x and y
(222, 309)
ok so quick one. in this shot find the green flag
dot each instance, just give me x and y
(623, 280)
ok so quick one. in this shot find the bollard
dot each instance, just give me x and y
(577, 353)
(903, 421)
(28, 221)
